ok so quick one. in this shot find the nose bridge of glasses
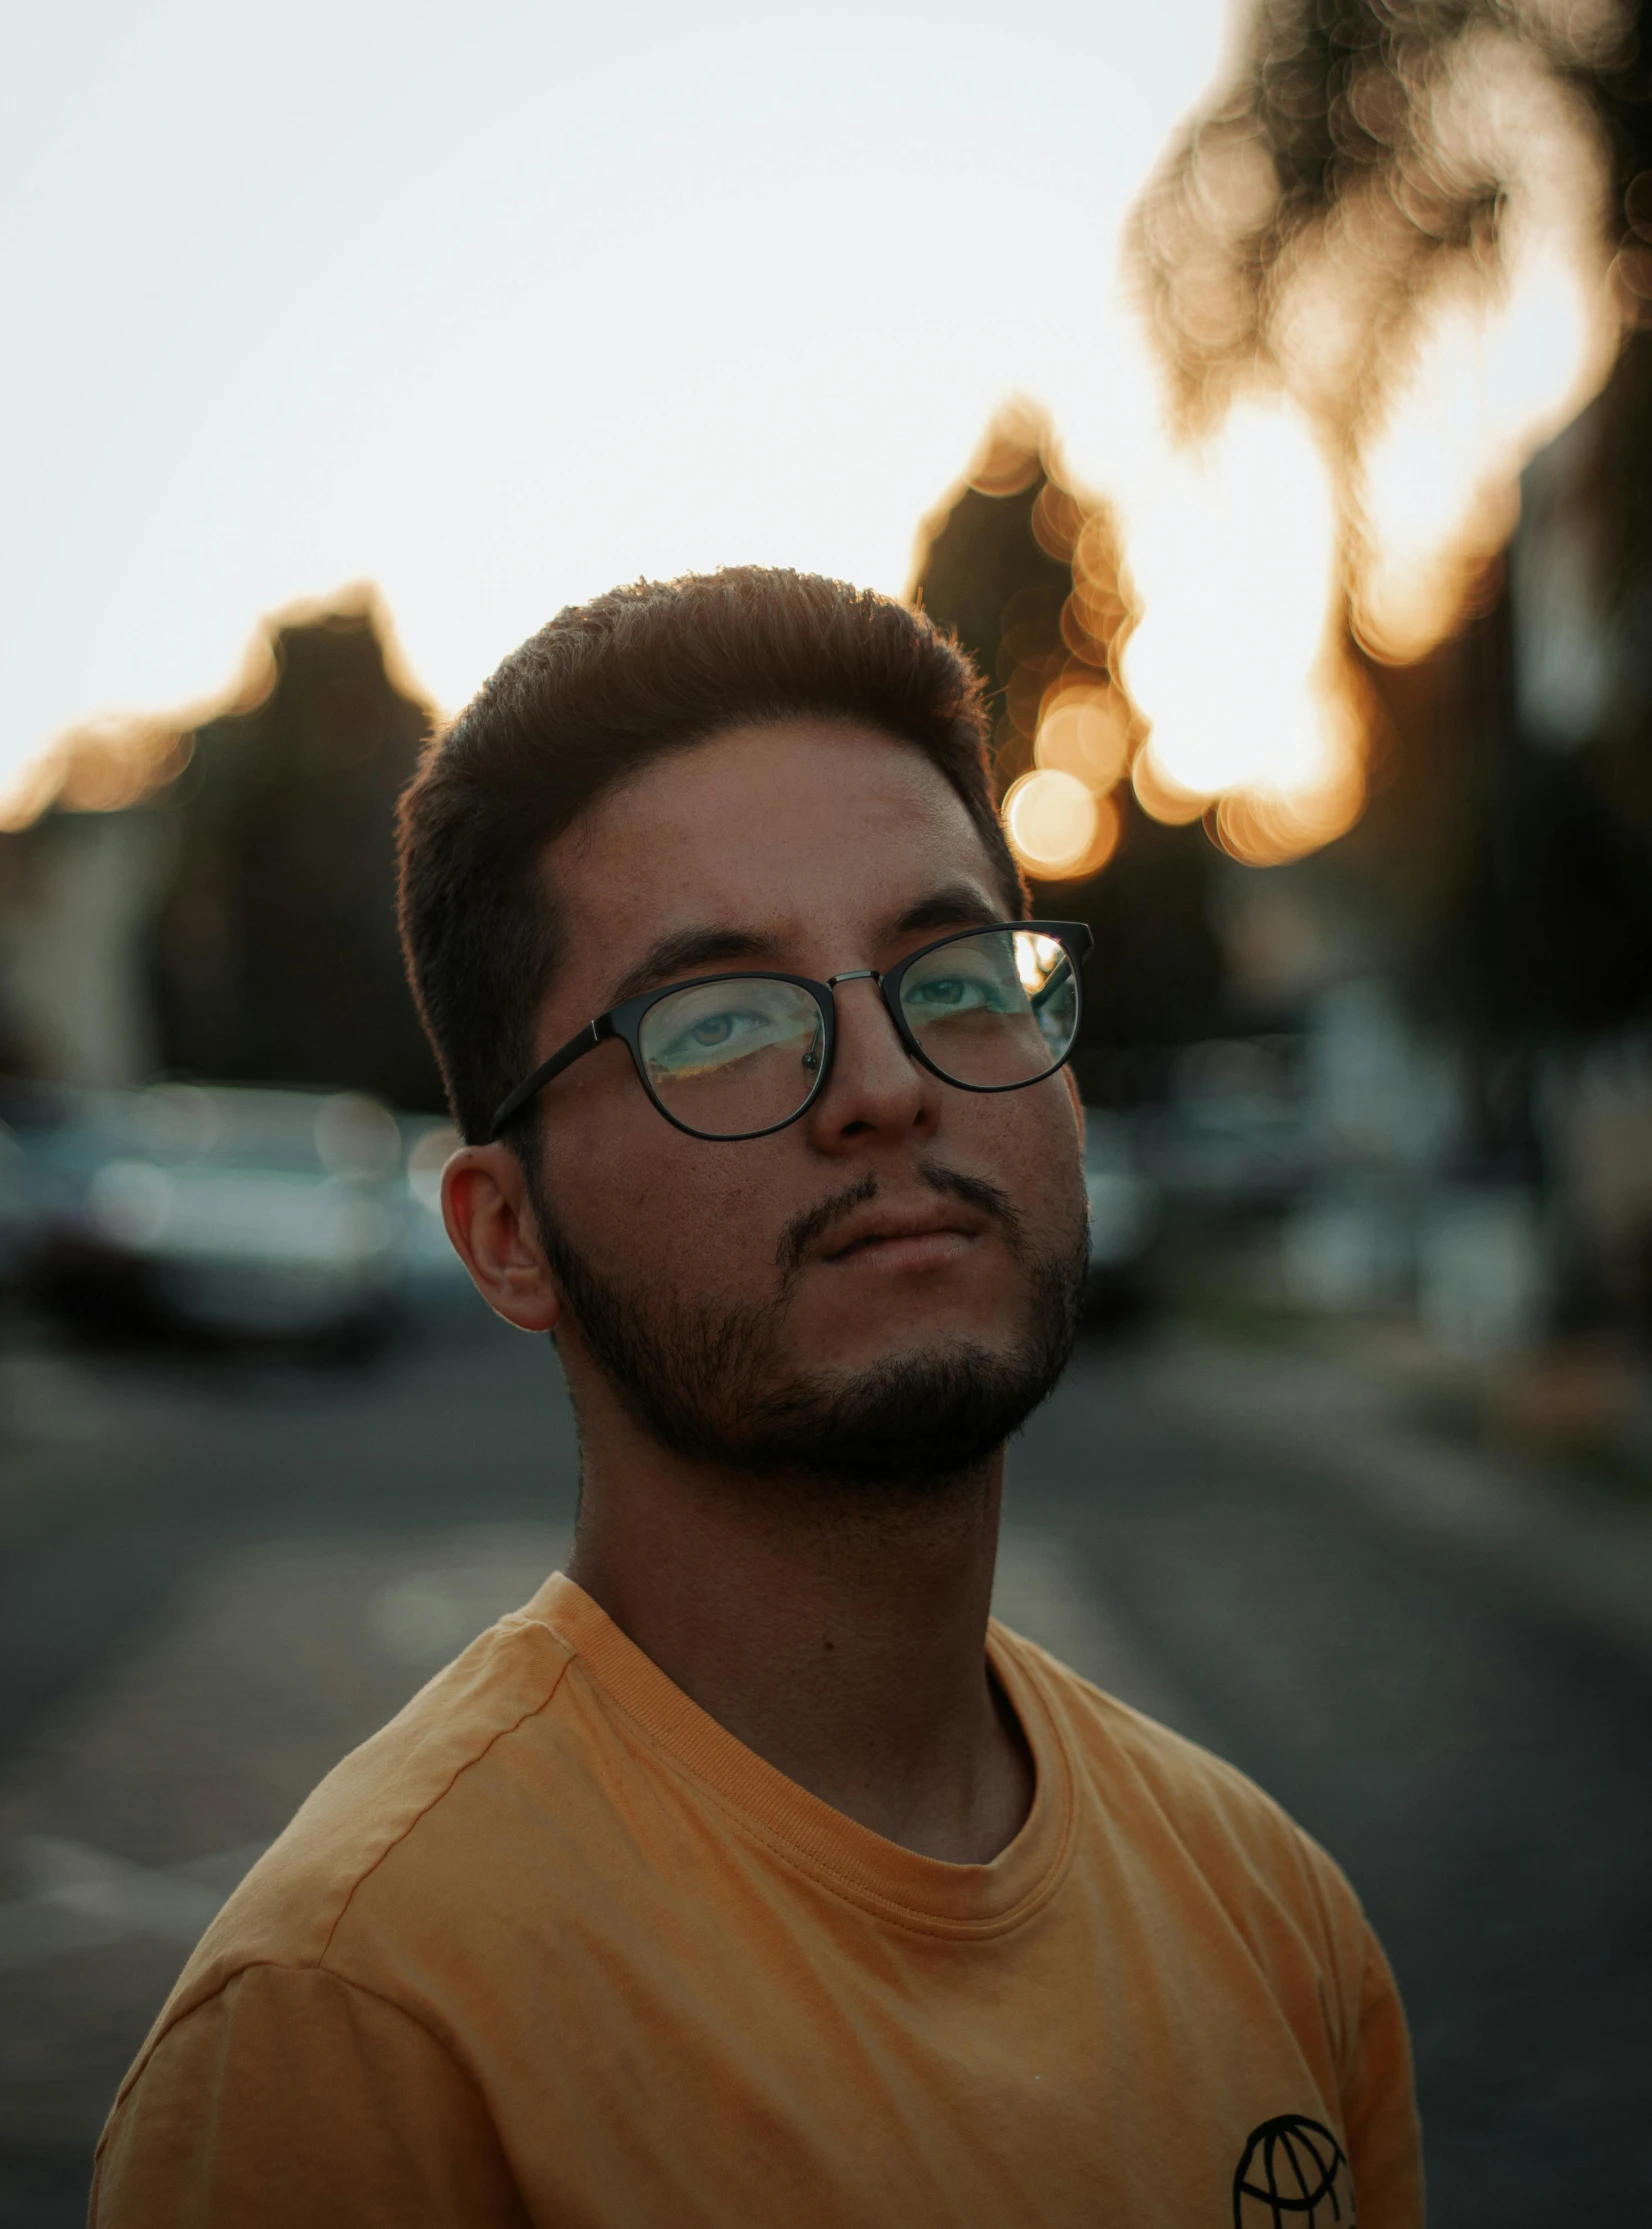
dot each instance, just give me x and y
(880, 1001)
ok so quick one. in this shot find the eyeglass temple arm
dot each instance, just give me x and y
(576, 1048)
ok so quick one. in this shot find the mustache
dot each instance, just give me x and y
(804, 1230)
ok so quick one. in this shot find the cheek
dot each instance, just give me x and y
(652, 1209)
(1029, 1145)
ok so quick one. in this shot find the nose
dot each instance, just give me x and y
(876, 1089)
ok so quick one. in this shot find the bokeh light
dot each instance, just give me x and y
(1161, 798)
(1059, 829)
(1233, 662)
(1377, 268)
(1084, 732)
(1437, 486)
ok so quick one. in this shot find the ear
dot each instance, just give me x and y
(490, 1221)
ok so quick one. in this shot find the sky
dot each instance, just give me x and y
(495, 307)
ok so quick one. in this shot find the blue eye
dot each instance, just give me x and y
(711, 1033)
(958, 994)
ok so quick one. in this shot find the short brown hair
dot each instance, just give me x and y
(592, 697)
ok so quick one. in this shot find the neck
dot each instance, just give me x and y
(838, 1633)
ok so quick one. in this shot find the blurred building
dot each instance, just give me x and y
(221, 903)
(274, 953)
(79, 893)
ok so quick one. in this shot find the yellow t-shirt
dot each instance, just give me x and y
(554, 1948)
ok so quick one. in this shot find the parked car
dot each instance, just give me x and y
(253, 1213)
(1218, 1156)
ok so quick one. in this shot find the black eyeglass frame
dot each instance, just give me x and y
(625, 1022)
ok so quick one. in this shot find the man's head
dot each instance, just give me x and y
(765, 770)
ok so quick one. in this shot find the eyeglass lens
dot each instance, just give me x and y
(735, 1056)
(740, 1055)
(993, 1010)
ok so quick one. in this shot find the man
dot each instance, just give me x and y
(747, 1876)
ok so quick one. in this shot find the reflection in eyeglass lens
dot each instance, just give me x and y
(733, 1056)
(995, 1009)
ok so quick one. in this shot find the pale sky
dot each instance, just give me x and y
(496, 306)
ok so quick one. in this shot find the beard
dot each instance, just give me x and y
(713, 1384)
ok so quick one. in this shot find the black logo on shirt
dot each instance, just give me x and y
(1292, 2175)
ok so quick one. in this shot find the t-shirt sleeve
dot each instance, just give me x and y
(1379, 2107)
(292, 2096)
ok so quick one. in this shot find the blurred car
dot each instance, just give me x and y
(1222, 1156)
(251, 1213)
(1124, 1214)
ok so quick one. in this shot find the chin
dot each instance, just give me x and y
(900, 1381)
(914, 1417)
(895, 1327)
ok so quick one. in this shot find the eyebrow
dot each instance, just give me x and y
(957, 905)
(689, 952)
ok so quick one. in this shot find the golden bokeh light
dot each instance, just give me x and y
(1265, 828)
(1437, 485)
(1084, 732)
(1057, 826)
(1036, 957)
(1436, 306)
(1233, 663)
(1158, 796)
(1008, 459)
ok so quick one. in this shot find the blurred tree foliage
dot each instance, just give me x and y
(1365, 156)
(1026, 571)
(1365, 151)
(275, 952)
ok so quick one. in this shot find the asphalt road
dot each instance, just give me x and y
(219, 1575)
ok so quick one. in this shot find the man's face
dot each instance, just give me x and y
(888, 1284)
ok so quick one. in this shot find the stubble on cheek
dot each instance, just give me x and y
(725, 1332)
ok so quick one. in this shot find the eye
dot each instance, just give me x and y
(713, 1033)
(944, 990)
(954, 994)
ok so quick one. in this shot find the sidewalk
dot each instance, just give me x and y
(1556, 1539)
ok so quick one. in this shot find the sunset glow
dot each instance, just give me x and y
(1491, 382)
(496, 310)
(495, 382)
(1234, 558)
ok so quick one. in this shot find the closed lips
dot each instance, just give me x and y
(888, 1229)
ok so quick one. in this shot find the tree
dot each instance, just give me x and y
(1026, 570)
(275, 953)
(1369, 162)
(1365, 154)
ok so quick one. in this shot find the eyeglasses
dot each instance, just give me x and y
(737, 1056)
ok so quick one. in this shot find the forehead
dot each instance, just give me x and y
(788, 819)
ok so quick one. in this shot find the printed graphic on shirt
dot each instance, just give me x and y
(1292, 2175)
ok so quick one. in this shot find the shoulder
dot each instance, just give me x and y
(439, 1752)
(1193, 1819)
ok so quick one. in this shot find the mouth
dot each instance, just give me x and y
(888, 1239)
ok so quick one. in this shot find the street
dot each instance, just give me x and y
(220, 1575)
